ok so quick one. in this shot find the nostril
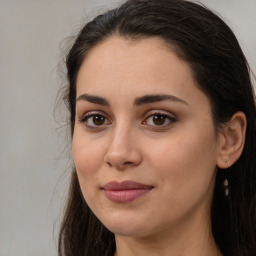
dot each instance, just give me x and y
(119, 165)
(109, 163)
(127, 163)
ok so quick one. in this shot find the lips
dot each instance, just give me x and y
(126, 191)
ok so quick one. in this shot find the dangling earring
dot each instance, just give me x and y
(225, 183)
(226, 190)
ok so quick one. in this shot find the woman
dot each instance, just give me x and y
(163, 131)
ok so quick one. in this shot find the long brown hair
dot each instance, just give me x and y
(207, 44)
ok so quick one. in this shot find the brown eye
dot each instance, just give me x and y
(98, 120)
(95, 120)
(159, 119)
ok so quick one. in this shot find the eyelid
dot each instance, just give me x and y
(91, 113)
(160, 112)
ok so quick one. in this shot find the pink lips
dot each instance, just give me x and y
(126, 191)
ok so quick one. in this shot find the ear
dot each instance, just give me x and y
(231, 140)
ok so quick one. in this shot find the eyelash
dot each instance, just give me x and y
(163, 117)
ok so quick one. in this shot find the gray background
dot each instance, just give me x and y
(34, 165)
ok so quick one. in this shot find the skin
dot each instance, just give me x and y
(177, 158)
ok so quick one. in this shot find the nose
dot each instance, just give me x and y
(123, 151)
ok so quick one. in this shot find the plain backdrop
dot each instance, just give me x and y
(34, 165)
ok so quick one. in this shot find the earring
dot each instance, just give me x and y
(225, 184)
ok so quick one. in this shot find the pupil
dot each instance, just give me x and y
(98, 120)
(158, 119)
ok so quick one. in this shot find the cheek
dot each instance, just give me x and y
(185, 163)
(87, 157)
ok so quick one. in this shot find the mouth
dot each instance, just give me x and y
(126, 191)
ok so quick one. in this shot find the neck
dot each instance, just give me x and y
(138, 247)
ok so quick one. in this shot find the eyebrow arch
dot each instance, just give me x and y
(93, 99)
(156, 98)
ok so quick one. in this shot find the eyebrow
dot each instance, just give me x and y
(93, 99)
(146, 99)
(156, 98)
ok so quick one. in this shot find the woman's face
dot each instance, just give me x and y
(144, 143)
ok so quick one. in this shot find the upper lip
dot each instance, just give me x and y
(125, 185)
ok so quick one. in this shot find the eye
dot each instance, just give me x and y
(92, 120)
(159, 119)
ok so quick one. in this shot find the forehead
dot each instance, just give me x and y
(118, 55)
(136, 67)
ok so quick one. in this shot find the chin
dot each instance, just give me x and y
(128, 231)
(130, 227)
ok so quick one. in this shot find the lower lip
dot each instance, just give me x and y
(125, 196)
